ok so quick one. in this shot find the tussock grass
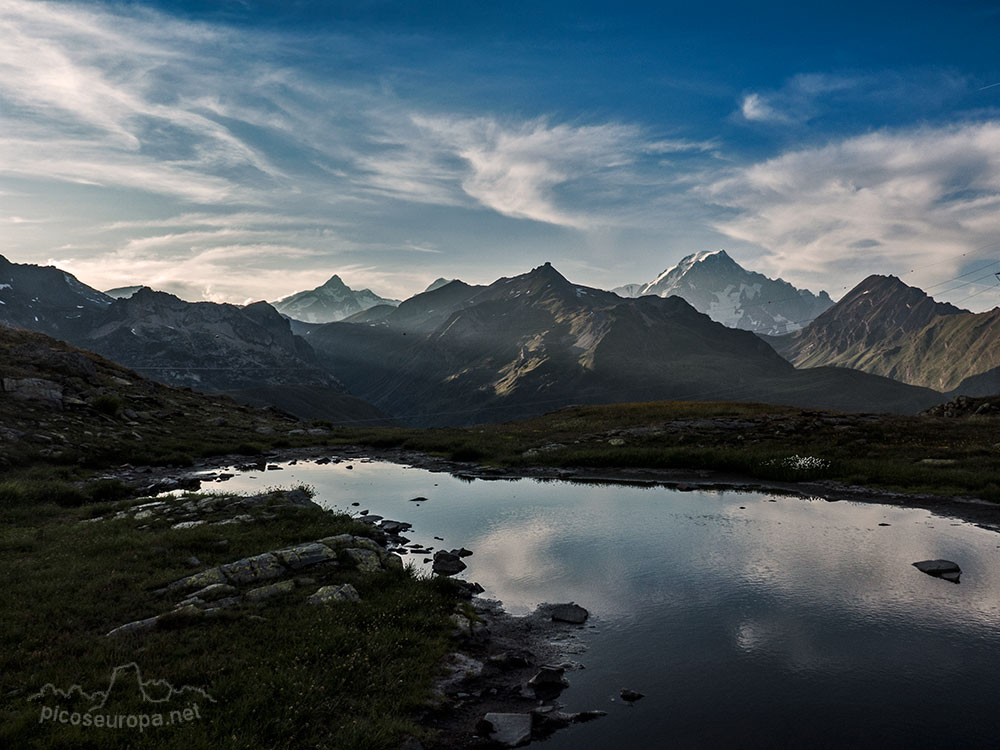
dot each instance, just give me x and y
(283, 675)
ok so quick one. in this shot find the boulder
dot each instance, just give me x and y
(200, 580)
(34, 389)
(509, 730)
(363, 542)
(340, 541)
(304, 555)
(254, 569)
(447, 564)
(571, 613)
(215, 591)
(945, 569)
(332, 594)
(365, 560)
(272, 589)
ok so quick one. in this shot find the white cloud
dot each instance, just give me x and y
(885, 202)
(814, 97)
(756, 109)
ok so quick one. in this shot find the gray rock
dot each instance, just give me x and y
(130, 628)
(945, 569)
(549, 676)
(254, 569)
(215, 591)
(304, 555)
(509, 730)
(331, 594)
(272, 589)
(188, 524)
(364, 542)
(571, 613)
(447, 564)
(200, 580)
(34, 389)
(341, 541)
(365, 560)
(630, 696)
(394, 527)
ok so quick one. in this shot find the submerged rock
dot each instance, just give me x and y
(447, 563)
(571, 613)
(631, 695)
(945, 569)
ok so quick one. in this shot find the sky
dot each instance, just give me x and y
(244, 150)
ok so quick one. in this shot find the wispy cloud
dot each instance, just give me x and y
(889, 201)
(811, 97)
(217, 144)
(756, 109)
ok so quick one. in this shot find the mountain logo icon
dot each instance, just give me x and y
(125, 685)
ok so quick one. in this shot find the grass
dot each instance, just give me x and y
(283, 675)
(887, 451)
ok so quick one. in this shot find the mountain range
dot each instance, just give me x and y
(330, 302)
(247, 352)
(715, 284)
(460, 353)
(463, 354)
(885, 327)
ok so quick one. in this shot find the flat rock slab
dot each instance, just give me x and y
(571, 613)
(946, 569)
(304, 555)
(201, 580)
(263, 567)
(510, 730)
(272, 589)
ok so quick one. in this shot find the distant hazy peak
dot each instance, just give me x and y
(332, 301)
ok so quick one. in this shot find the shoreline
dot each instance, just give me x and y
(982, 513)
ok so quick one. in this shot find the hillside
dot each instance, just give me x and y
(67, 405)
(888, 328)
(531, 343)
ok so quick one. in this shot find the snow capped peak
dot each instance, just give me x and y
(330, 302)
(715, 284)
(688, 262)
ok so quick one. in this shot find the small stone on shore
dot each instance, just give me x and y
(571, 613)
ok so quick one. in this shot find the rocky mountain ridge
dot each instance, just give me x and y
(715, 284)
(330, 302)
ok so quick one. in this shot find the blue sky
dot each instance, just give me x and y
(247, 150)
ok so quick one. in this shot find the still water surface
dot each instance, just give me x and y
(748, 620)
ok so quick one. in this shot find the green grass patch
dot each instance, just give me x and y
(283, 675)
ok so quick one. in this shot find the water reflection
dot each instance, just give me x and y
(748, 620)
